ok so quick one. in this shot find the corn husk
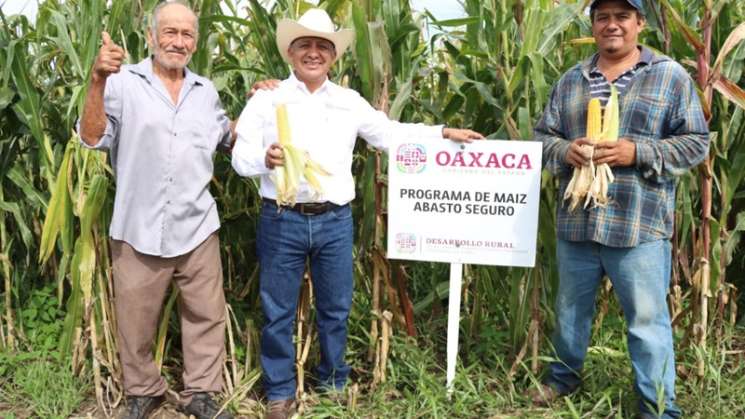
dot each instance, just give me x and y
(297, 163)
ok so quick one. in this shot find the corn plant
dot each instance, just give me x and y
(490, 71)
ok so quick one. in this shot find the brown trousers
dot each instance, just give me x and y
(140, 285)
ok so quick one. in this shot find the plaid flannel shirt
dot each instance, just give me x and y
(660, 112)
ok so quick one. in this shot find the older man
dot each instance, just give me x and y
(663, 133)
(325, 120)
(162, 124)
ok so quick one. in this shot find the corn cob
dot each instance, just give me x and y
(594, 123)
(297, 162)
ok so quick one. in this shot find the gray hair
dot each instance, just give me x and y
(156, 13)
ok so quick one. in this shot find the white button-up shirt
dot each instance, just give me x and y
(324, 123)
(161, 154)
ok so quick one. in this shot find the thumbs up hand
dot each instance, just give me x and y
(109, 59)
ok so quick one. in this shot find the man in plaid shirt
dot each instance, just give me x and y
(663, 133)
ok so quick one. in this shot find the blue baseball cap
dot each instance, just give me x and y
(636, 4)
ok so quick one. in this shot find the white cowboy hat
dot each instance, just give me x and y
(315, 23)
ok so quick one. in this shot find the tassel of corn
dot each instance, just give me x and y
(603, 173)
(297, 162)
(583, 177)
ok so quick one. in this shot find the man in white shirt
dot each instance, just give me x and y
(325, 120)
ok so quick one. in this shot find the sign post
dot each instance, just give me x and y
(456, 279)
(455, 203)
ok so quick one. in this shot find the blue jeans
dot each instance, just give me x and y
(286, 240)
(640, 276)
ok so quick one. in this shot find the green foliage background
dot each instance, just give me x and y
(490, 71)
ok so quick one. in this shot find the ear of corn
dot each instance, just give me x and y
(603, 173)
(590, 183)
(610, 121)
(297, 162)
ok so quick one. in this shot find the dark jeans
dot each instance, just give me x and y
(286, 239)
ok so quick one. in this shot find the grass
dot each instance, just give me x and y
(39, 384)
(416, 388)
(416, 378)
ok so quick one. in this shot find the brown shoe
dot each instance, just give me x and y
(280, 409)
(543, 396)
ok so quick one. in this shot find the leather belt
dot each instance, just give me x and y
(305, 208)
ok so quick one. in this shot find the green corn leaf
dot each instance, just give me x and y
(14, 209)
(59, 211)
(64, 42)
(28, 108)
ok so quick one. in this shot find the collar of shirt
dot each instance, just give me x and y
(325, 87)
(646, 58)
(145, 70)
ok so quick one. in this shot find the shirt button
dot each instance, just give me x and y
(168, 202)
(174, 134)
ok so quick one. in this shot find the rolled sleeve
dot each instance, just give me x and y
(107, 139)
(112, 104)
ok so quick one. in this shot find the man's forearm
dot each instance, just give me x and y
(93, 121)
(554, 153)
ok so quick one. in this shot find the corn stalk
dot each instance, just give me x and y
(490, 71)
(707, 280)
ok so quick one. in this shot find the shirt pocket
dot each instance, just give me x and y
(200, 146)
(648, 115)
(201, 128)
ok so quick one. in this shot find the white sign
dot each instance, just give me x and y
(464, 203)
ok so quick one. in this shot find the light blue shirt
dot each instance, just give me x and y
(162, 156)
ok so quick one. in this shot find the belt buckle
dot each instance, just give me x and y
(303, 209)
(313, 208)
